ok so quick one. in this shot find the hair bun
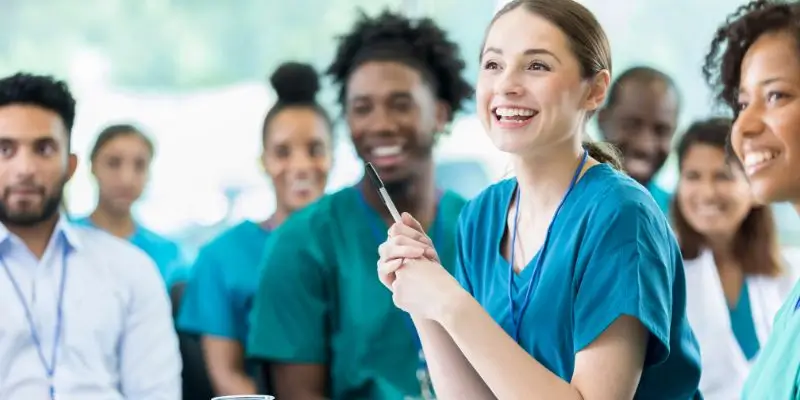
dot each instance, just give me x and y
(295, 83)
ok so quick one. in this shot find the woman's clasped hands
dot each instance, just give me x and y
(409, 266)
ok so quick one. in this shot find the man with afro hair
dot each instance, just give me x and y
(323, 324)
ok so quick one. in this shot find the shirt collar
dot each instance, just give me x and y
(68, 230)
(64, 229)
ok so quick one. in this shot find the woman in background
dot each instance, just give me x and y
(735, 274)
(120, 161)
(297, 156)
(754, 68)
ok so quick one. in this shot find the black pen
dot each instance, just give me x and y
(376, 180)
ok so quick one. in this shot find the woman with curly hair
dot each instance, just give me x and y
(323, 323)
(754, 67)
(736, 277)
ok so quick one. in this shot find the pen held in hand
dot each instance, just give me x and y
(387, 201)
(376, 180)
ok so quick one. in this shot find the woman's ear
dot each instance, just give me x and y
(598, 89)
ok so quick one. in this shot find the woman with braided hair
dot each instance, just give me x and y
(325, 327)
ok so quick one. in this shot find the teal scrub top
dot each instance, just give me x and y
(744, 328)
(165, 253)
(661, 196)
(776, 372)
(219, 296)
(610, 253)
(320, 300)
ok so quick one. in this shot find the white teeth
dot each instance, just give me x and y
(304, 184)
(386, 151)
(709, 210)
(755, 158)
(513, 112)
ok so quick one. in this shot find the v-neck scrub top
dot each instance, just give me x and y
(611, 252)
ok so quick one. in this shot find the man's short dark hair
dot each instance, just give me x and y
(639, 74)
(39, 90)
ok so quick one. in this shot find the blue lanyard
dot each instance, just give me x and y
(50, 368)
(437, 237)
(516, 318)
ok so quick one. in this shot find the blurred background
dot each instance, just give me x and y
(193, 73)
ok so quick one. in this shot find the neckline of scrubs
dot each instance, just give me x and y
(521, 279)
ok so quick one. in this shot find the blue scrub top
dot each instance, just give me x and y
(165, 253)
(219, 296)
(610, 253)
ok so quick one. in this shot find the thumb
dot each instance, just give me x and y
(430, 254)
(411, 222)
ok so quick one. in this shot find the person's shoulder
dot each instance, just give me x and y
(157, 240)
(619, 212)
(611, 194)
(323, 212)
(453, 199)
(109, 249)
(117, 263)
(232, 237)
(451, 204)
(615, 184)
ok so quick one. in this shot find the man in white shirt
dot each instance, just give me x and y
(83, 315)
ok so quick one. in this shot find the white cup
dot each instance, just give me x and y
(246, 397)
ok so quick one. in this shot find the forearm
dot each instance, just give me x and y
(452, 375)
(298, 381)
(299, 393)
(504, 367)
(231, 381)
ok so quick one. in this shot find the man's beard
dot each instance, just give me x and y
(33, 217)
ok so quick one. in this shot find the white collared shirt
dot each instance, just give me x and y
(117, 339)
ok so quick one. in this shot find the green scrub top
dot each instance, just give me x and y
(776, 372)
(320, 300)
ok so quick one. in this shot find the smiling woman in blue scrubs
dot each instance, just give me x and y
(297, 147)
(120, 160)
(570, 283)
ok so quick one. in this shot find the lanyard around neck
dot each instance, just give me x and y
(49, 367)
(516, 318)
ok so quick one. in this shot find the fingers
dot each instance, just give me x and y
(386, 272)
(409, 220)
(430, 254)
(401, 247)
(410, 232)
(401, 230)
